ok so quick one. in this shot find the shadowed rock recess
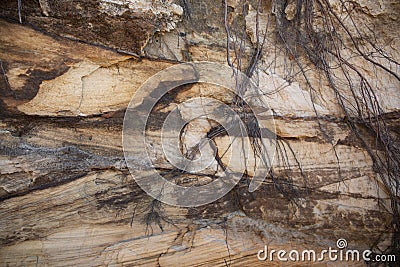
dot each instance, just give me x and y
(68, 70)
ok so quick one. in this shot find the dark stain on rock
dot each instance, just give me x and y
(157, 118)
(85, 21)
(32, 80)
(199, 14)
(34, 77)
(5, 89)
(116, 200)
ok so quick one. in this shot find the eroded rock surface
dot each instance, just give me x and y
(66, 195)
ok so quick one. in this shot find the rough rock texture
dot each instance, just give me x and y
(123, 25)
(66, 195)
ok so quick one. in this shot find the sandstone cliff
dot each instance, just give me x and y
(70, 68)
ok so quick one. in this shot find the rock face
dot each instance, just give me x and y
(68, 73)
(123, 25)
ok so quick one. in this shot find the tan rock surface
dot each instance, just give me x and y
(66, 194)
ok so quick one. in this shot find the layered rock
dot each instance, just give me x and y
(67, 197)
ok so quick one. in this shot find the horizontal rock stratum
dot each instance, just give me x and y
(70, 68)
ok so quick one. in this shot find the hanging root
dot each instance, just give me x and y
(321, 42)
(155, 215)
(19, 11)
(236, 40)
(327, 43)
